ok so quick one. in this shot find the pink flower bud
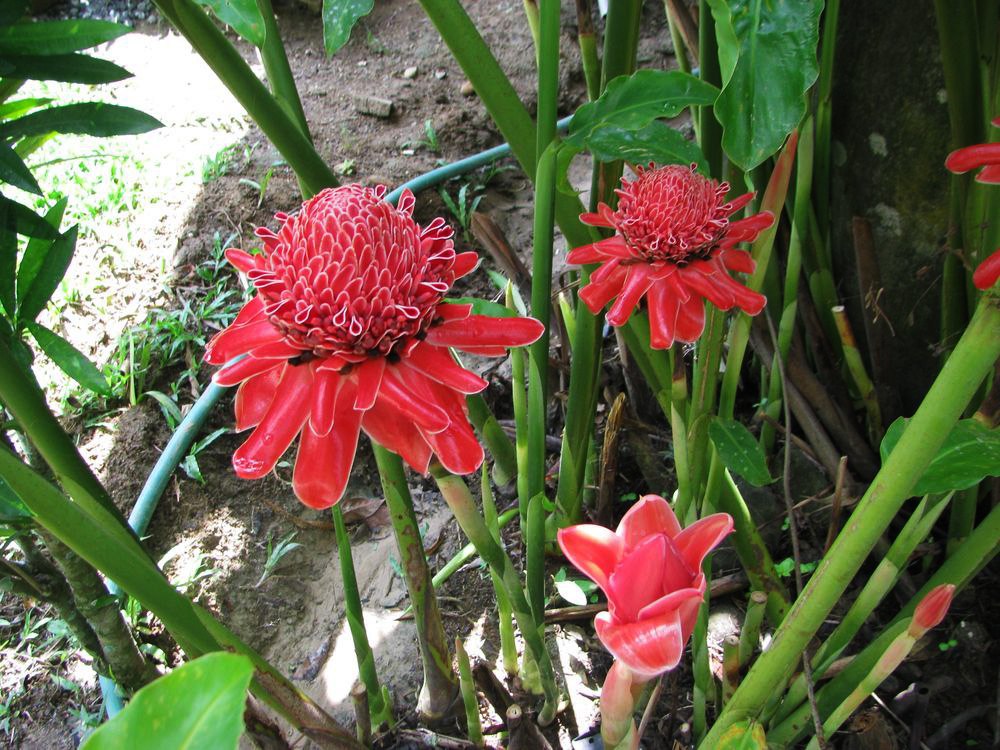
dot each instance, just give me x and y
(932, 609)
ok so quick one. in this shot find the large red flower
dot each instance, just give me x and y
(650, 570)
(675, 245)
(349, 331)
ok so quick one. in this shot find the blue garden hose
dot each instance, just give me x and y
(184, 436)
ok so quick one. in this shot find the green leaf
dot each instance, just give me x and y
(12, 509)
(484, 307)
(970, 453)
(89, 118)
(18, 107)
(14, 171)
(50, 273)
(743, 735)
(339, 17)
(725, 36)
(22, 220)
(656, 142)
(632, 102)
(70, 68)
(198, 705)
(764, 99)
(171, 412)
(70, 360)
(191, 468)
(36, 251)
(8, 260)
(739, 451)
(242, 15)
(57, 37)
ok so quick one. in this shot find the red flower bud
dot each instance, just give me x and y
(932, 609)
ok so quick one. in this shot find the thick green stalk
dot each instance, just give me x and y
(881, 581)
(586, 37)
(440, 684)
(519, 401)
(463, 507)
(955, 385)
(500, 445)
(26, 403)
(962, 517)
(379, 707)
(680, 48)
(750, 631)
(679, 431)
(824, 104)
(534, 560)
(701, 405)
(704, 682)
(225, 61)
(474, 727)
(709, 132)
(621, 39)
(505, 618)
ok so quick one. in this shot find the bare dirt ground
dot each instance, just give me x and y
(220, 530)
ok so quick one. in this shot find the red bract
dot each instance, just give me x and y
(349, 332)
(675, 245)
(932, 609)
(650, 570)
(988, 272)
(985, 155)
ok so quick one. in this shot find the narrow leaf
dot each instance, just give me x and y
(339, 17)
(14, 171)
(18, 107)
(8, 261)
(656, 142)
(50, 273)
(242, 15)
(744, 735)
(36, 251)
(739, 451)
(70, 68)
(765, 97)
(11, 507)
(89, 118)
(22, 220)
(198, 705)
(69, 359)
(970, 453)
(632, 102)
(171, 412)
(57, 37)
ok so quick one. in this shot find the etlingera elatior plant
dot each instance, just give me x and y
(350, 331)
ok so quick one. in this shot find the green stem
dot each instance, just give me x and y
(225, 61)
(505, 621)
(679, 431)
(378, 708)
(958, 380)
(500, 445)
(440, 685)
(463, 507)
(470, 701)
(586, 37)
(824, 105)
(709, 132)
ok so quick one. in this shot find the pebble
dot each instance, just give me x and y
(440, 74)
(468, 89)
(410, 72)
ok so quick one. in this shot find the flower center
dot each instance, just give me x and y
(353, 276)
(672, 214)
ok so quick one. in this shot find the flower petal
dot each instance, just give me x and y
(650, 515)
(438, 364)
(427, 415)
(594, 550)
(322, 412)
(254, 397)
(465, 263)
(602, 290)
(690, 319)
(276, 431)
(989, 174)
(242, 260)
(662, 307)
(237, 340)
(649, 647)
(483, 330)
(701, 537)
(671, 601)
(368, 376)
(636, 582)
(452, 311)
(323, 465)
(237, 372)
(383, 425)
(456, 446)
(636, 284)
(988, 272)
(970, 157)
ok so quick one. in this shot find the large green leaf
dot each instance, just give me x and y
(970, 453)
(12, 509)
(69, 68)
(57, 37)
(50, 273)
(14, 171)
(632, 102)
(198, 705)
(69, 359)
(36, 251)
(657, 142)
(339, 17)
(89, 118)
(764, 99)
(22, 220)
(739, 451)
(725, 37)
(242, 15)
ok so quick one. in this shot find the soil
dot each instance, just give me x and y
(218, 532)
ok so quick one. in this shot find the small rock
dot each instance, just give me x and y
(362, 63)
(468, 89)
(373, 105)
(440, 74)
(410, 72)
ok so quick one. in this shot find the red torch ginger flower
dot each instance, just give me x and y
(674, 244)
(985, 155)
(650, 570)
(349, 331)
